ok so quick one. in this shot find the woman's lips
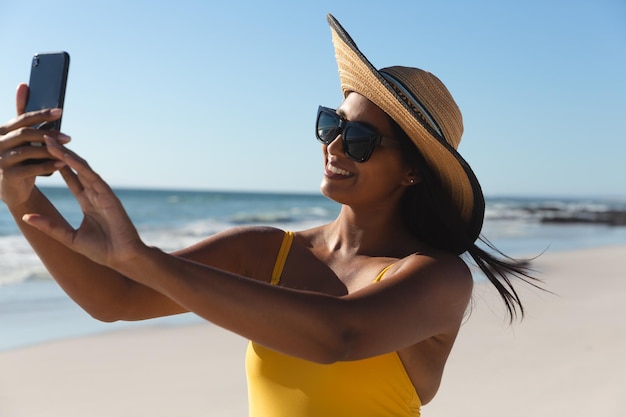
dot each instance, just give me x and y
(333, 171)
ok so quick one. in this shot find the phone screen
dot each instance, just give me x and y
(46, 89)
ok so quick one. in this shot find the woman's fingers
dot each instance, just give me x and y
(27, 138)
(86, 175)
(77, 174)
(17, 155)
(66, 169)
(70, 178)
(26, 161)
(31, 119)
(21, 97)
(27, 119)
(66, 156)
(106, 232)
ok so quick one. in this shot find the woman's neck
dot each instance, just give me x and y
(373, 231)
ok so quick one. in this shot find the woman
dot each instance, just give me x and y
(352, 318)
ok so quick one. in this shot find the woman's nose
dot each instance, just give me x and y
(336, 146)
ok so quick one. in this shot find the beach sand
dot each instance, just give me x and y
(566, 358)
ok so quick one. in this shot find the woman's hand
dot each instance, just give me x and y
(17, 137)
(106, 235)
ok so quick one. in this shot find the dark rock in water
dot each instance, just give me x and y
(617, 218)
(611, 217)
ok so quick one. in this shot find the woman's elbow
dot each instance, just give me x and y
(104, 314)
(107, 311)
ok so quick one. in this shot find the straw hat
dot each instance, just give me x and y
(422, 106)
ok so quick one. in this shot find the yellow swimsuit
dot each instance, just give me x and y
(280, 385)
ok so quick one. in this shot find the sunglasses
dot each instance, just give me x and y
(359, 139)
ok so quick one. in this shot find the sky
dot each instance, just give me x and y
(222, 95)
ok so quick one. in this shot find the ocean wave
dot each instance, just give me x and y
(255, 218)
(287, 215)
(19, 263)
(22, 274)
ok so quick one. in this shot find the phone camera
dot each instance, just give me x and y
(35, 62)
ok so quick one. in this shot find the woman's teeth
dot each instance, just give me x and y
(337, 171)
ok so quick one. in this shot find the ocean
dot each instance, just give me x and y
(34, 310)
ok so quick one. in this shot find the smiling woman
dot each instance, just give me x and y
(354, 317)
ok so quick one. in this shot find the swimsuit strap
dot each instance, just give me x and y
(282, 257)
(379, 277)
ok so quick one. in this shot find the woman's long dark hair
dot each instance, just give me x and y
(433, 219)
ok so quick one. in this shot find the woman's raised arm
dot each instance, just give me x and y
(101, 291)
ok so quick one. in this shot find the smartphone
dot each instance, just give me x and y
(46, 88)
(48, 80)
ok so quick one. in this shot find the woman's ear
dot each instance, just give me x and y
(413, 177)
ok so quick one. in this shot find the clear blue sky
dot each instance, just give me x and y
(222, 95)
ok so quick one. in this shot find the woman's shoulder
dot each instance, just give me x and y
(445, 268)
(243, 250)
(257, 239)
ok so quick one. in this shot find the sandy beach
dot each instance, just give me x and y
(566, 358)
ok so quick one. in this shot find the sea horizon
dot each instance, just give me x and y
(488, 196)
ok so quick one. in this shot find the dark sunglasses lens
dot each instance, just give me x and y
(327, 126)
(359, 142)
